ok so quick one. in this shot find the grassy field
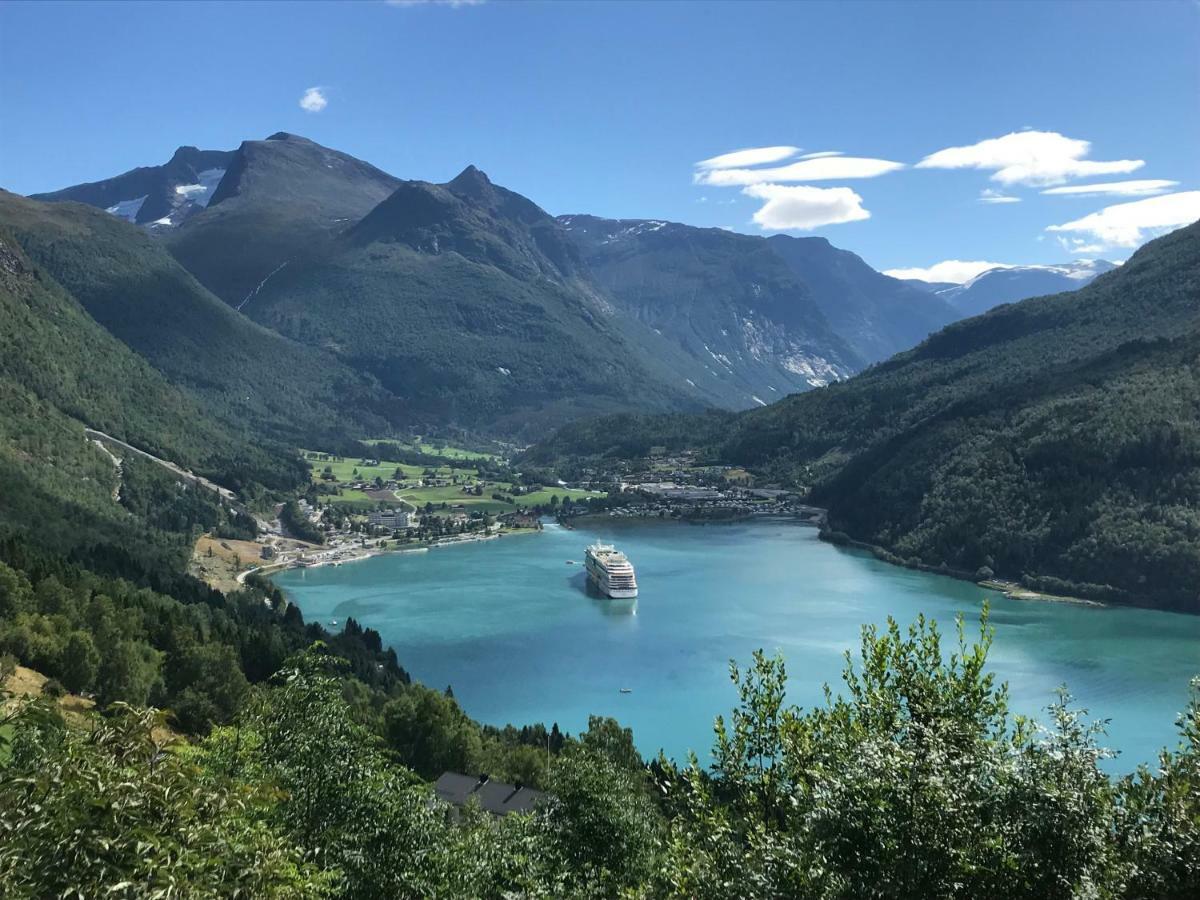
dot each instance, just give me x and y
(348, 495)
(344, 469)
(448, 451)
(543, 496)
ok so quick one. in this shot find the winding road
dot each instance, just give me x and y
(227, 496)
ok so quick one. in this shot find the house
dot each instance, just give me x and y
(495, 797)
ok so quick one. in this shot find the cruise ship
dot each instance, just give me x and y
(611, 572)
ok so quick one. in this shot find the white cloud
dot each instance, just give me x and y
(802, 207)
(1128, 224)
(1029, 157)
(1079, 246)
(987, 195)
(822, 153)
(751, 156)
(1143, 188)
(955, 271)
(824, 168)
(314, 100)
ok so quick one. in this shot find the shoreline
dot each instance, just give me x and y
(424, 547)
(1010, 589)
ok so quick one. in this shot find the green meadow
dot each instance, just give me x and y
(449, 451)
(350, 469)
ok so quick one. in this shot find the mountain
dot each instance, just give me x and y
(468, 301)
(876, 314)
(62, 372)
(250, 377)
(281, 200)
(738, 325)
(1055, 440)
(930, 287)
(1008, 285)
(161, 196)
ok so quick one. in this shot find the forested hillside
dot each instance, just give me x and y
(312, 793)
(250, 377)
(1053, 439)
(59, 372)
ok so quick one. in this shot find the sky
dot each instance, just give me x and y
(933, 139)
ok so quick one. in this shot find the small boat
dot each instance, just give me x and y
(570, 562)
(333, 621)
(626, 690)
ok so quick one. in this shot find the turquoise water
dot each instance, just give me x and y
(511, 627)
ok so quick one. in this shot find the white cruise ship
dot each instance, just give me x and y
(611, 572)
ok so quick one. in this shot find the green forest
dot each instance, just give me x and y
(911, 780)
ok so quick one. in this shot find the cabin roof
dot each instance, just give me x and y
(496, 797)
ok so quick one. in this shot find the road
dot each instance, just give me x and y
(227, 496)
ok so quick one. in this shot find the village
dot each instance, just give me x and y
(677, 486)
(359, 506)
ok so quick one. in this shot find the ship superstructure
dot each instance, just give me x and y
(611, 572)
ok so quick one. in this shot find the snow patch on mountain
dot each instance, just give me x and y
(201, 192)
(127, 209)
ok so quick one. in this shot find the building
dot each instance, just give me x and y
(392, 519)
(495, 797)
(669, 490)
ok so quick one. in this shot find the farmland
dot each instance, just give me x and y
(448, 488)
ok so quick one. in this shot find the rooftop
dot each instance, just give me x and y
(496, 797)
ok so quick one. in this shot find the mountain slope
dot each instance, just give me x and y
(1055, 440)
(161, 195)
(1008, 285)
(60, 372)
(252, 378)
(279, 202)
(597, 314)
(876, 314)
(466, 300)
(1056, 436)
(741, 327)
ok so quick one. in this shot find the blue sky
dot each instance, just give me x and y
(607, 108)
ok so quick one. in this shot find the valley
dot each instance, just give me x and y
(658, 451)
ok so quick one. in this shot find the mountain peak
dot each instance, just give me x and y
(184, 152)
(470, 181)
(287, 136)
